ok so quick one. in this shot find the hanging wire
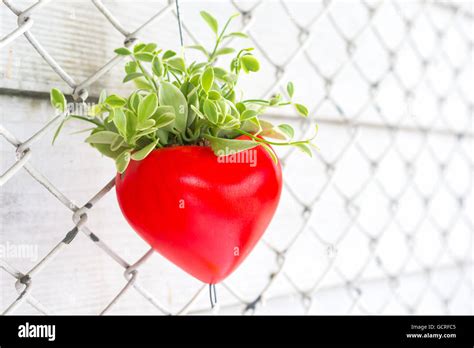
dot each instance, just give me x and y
(212, 294)
(179, 23)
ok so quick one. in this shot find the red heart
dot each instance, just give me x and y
(203, 215)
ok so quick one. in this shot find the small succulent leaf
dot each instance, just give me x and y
(249, 63)
(58, 100)
(237, 34)
(168, 54)
(177, 63)
(115, 101)
(145, 124)
(123, 51)
(120, 121)
(165, 120)
(290, 88)
(211, 21)
(210, 111)
(207, 79)
(141, 154)
(147, 107)
(170, 95)
(224, 147)
(248, 114)
(287, 130)
(302, 110)
(132, 76)
(102, 137)
(157, 66)
(224, 50)
(122, 161)
(304, 148)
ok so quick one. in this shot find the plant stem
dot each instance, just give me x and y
(97, 123)
(271, 142)
(147, 75)
(218, 41)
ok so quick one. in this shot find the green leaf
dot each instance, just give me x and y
(147, 107)
(193, 99)
(146, 124)
(223, 106)
(58, 130)
(157, 66)
(131, 124)
(230, 122)
(115, 101)
(132, 76)
(304, 148)
(199, 48)
(177, 63)
(161, 110)
(130, 67)
(224, 147)
(145, 132)
(287, 130)
(266, 125)
(302, 110)
(149, 47)
(207, 79)
(134, 100)
(102, 96)
(237, 34)
(102, 137)
(170, 95)
(164, 116)
(195, 67)
(214, 95)
(198, 112)
(220, 73)
(274, 133)
(117, 144)
(141, 154)
(252, 125)
(164, 120)
(211, 21)
(120, 121)
(240, 107)
(168, 54)
(247, 114)
(142, 83)
(144, 56)
(58, 100)
(138, 47)
(224, 50)
(123, 51)
(290, 88)
(249, 63)
(122, 161)
(210, 111)
(105, 150)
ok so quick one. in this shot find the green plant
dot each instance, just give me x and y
(180, 104)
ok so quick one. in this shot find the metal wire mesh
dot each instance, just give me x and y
(355, 238)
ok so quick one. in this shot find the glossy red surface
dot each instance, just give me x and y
(203, 215)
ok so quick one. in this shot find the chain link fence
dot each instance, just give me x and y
(376, 222)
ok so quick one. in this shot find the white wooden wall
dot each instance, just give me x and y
(335, 247)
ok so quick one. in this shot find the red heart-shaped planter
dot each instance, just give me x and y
(202, 212)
